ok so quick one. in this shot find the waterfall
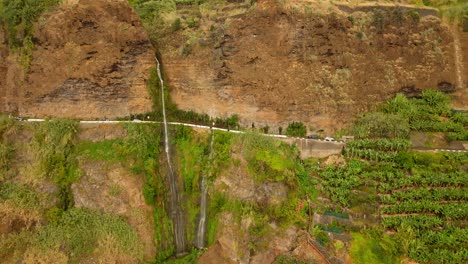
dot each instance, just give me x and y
(176, 212)
(201, 230)
(458, 57)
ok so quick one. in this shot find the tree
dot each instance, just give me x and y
(296, 129)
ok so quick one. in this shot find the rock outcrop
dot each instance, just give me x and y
(275, 64)
(91, 59)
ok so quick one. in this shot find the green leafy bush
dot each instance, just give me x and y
(296, 129)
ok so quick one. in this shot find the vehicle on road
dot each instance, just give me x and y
(329, 139)
(312, 136)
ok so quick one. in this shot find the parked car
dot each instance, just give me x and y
(313, 136)
(329, 139)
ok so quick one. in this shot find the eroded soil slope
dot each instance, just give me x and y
(274, 64)
(91, 59)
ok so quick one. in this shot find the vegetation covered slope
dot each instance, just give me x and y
(417, 197)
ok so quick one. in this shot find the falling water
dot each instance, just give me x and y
(201, 231)
(458, 57)
(176, 212)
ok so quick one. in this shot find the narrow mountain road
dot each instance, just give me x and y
(218, 129)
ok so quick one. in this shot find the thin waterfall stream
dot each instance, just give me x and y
(458, 57)
(201, 230)
(176, 212)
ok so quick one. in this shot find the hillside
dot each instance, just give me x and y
(77, 193)
(269, 62)
(83, 59)
(276, 63)
(232, 131)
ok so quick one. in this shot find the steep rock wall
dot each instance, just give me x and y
(91, 59)
(273, 65)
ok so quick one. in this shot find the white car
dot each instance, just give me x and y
(329, 139)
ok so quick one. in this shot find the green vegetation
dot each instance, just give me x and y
(395, 119)
(142, 148)
(176, 115)
(416, 192)
(77, 234)
(284, 259)
(7, 126)
(420, 196)
(54, 145)
(108, 150)
(159, 16)
(195, 160)
(18, 17)
(376, 149)
(453, 10)
(296, 129)
(192, 158)
(339, 181)
(139, 151)
(373, 247)
(192, 257)
(269, 159)
(20, 195)
(375, 125)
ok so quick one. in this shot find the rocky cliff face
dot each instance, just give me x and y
(91, 59)
(275, 64)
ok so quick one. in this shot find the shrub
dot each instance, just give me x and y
(378, 20)
(296, 129)
(176, 25)
(414, 15)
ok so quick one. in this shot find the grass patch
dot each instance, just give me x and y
(373, 247)
(107, 150)
(20, 195)
(79, 233)
(19, 16)
(7, 127)
(54, 144)
(269, 160)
